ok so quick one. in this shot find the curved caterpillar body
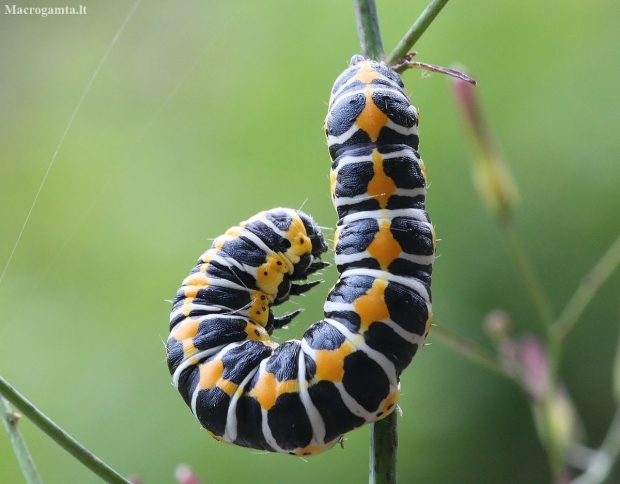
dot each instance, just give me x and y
(300, 397)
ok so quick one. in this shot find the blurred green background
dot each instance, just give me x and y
(206, 112)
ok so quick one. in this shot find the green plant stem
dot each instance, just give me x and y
(526, 270)
(416, 31)
(10, 420)
(368, 29)
(383, 450)
(471, 351)
(602, 463)
(537, 295)
(96, 465)
(586, 290)
(383, 434)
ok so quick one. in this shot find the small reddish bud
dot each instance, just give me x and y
(492, 177)
(185, 475)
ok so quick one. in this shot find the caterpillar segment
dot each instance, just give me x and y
(385, 243)
(301, 397)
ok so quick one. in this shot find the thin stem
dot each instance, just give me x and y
(100, 468)
(384, 450)
(586, 290)
(536, 292)
(526, 269)
(383, 434)
(471, 351)
(416, 31)
(10, 420)
(601, 464)
(368, 29)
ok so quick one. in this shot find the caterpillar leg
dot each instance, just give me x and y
(281, 321)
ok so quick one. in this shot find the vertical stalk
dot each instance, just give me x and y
(537, 294)
(383, 434)
(368, 29)
(383, 447)
(530, 279)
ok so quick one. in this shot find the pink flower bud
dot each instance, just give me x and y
(491, 174)
(497, 325)
(185, 475)
(535, 371)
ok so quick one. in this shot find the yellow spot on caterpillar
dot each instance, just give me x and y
(336, 236)
(423, 168)
(227, 386)
(384, 248)
(265, 390)
(389, 404)
(218, 438)
(332, 183)
(190, 292)
(371, 306)
(234, 232)
(381, 187)
(197, 279)
(256, 333)
(258, 310)
(371, 119)
(330, 363)
(210, 373)
(187, 304)
(188, 348)
(288, 386)
(366, 73)
(300, 242)
(268, 389)
(429, 322)
(270, 274)
(186, 330)
(310, 450)
(206, 258)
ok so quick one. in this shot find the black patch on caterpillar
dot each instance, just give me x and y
(323, 336)
(249, 425)
(396, 107)
(211, 409)
(241, 360)
(361, 373)
(405, 172)
(284, 363)
(336, 416)
(353, 179)
(358, 139)
(289, 422)
(413, 236)
(385, 340)
(407, 308)
(388, 136)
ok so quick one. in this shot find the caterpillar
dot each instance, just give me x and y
(302, 396)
